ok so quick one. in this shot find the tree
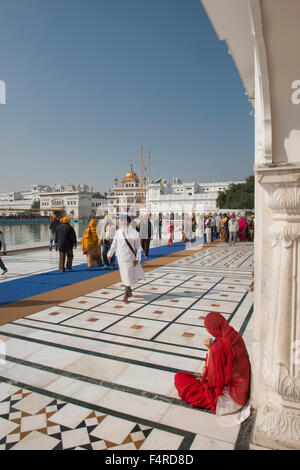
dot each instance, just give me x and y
(238, 196)
(35, 205)
(98, 196)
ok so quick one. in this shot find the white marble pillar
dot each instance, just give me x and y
(277, 385)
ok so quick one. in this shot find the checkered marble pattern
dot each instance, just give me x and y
(95, 373)
(28, 418)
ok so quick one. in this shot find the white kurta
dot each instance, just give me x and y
(130, 274)
(228, 412)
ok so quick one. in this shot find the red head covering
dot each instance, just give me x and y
(232, 216)
(227, 363)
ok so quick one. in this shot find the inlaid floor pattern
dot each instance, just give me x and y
(95, 373)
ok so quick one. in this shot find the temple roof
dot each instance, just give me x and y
(131, 176)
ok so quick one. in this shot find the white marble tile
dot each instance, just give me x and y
(154, 274)
(113, 429)
(4, 407)
(21, 349)
(119, 286)
(32, 423)
(177, 362)
(153, 312)
(97, 367)
(193, 317)
(143, 297)
(93, 320)
(170, 300)
(198, 285)
(106, 293)
(136, 354)
(144, 378)
(6, 427)
(199, 422)
(30, 376)
(36, 441)
(221, 295)
(208, 443)
(5, 366)
(178, 276)
(184, 335)
(134, 405)
(54, 314)
(161, 440)
(206, 278)
(77, 389)
(153, 289)
(237, 281)
(232, 288)
(83, 302)
(118, 307)
(188, 292)
(215, 306)
(166, 281)
(137, 327)
(74, 438)
(54, 357)
(70, 415)
(33, 403)
(52, 337)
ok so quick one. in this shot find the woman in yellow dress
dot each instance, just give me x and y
(90, 245)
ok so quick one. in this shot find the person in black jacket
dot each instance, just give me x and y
(65, 241)
(53, 226)
(146, 233)
(2, 248)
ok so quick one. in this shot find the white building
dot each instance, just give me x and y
(128, 195)
(21, 200)
(74, 201)
(180, 197)
(160, 196)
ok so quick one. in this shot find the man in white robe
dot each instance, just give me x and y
(127, 247)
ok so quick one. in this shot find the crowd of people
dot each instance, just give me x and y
(99, 236)
(228, 227)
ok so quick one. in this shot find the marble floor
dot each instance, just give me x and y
(95, 373)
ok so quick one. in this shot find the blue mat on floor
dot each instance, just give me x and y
(30, 286)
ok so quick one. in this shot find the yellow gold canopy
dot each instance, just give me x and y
(131, 176)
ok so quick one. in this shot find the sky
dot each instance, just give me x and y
(88, 82)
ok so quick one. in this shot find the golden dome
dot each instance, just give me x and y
(131, 176)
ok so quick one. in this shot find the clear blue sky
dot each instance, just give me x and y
(90, 81)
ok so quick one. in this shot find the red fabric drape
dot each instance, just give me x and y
(242, 229)
(227, 366)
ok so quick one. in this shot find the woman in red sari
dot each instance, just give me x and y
(170, 231)
(242, 229)
(224, 386)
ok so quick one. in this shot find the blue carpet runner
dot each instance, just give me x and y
(20, 289)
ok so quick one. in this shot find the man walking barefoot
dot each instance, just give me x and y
(65, 241)
(3, 248)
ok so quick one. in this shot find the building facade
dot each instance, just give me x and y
(128, 195)
(180, 197)
(160, 196)
(74, 201)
